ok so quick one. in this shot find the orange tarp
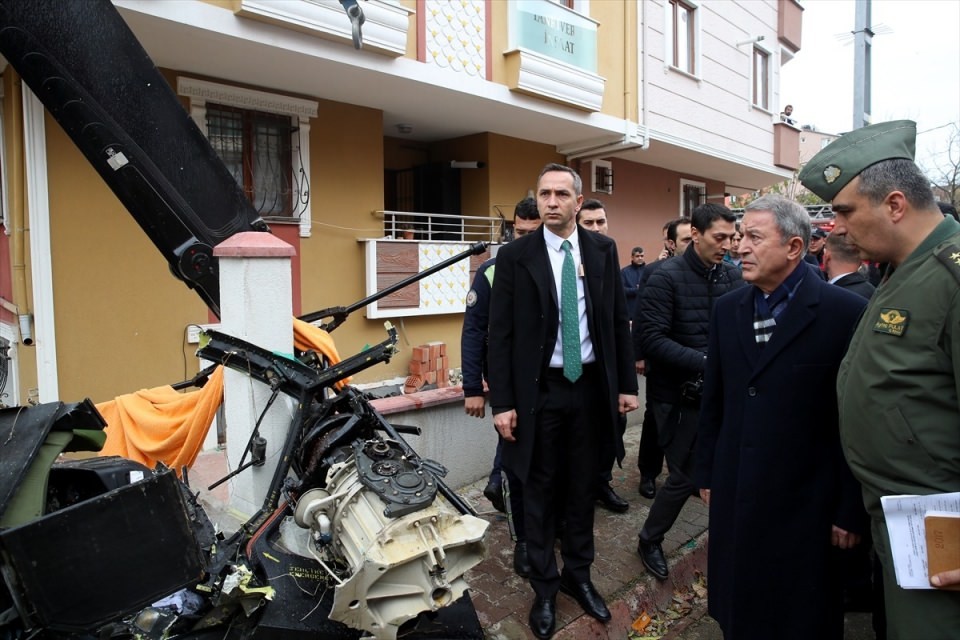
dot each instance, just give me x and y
(165, 425)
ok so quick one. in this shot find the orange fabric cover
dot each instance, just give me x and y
(161, 424)
(165, 425)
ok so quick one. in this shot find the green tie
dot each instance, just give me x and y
(569, 317)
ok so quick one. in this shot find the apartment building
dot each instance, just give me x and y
(380, 161)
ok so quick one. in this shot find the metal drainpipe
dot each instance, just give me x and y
(642, 43)
(17, 187)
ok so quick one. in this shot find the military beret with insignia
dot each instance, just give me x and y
(843, 159)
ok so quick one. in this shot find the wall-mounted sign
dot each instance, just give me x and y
(554, 31)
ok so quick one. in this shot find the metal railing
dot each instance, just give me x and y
(433, 227)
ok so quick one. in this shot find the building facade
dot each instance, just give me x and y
(379, 161)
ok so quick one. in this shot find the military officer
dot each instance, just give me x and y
(898, 384)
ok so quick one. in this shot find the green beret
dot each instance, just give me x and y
(843, 159)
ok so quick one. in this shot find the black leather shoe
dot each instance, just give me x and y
(543, 617)
(521, 562)
(494, 493)
(587, 597)
(609, 499)
(653, 559)
(648, 487)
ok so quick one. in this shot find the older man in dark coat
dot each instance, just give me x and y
(783, 502)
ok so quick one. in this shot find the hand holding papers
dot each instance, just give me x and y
(923, 534)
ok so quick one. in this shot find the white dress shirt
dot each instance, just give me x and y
(556, 254)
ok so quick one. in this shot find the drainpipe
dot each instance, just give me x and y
(642, 42)
(17, 207)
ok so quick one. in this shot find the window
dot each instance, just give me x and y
(263, 138)
(761, 78)
(681, 36)
(692, 195)
(9, 389)
(255, 146)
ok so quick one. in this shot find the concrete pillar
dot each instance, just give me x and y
(256, 306)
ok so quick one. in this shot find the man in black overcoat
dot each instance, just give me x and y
(841, 262)
(547, 392)
(783, 502)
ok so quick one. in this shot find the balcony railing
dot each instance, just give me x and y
(437, 227)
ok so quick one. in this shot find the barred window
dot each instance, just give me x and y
(255, 146)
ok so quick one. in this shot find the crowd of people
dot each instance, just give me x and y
(787, 386)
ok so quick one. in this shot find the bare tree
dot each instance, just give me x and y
(945, 174)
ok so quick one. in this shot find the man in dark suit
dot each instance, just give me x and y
(768, 462)
(841, 262)
(557, 386)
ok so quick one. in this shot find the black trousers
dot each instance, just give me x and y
(605, 475)
(562, 478)
(678, 431)
(649, 454)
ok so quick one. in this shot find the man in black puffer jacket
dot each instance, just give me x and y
(674, 324)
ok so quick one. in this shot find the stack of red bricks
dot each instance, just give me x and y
(428, 366)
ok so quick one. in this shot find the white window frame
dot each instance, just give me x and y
(757, 46)
(300, 111)
(669, 36)
(688, 183)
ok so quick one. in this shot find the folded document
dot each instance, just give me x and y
(924, 536)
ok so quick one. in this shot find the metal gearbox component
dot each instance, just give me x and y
(406, 550)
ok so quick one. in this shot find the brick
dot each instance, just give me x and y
(434, 350)
(431, 377)
(417, 367)
(421, 353)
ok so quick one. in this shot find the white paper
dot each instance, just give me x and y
(908, 540)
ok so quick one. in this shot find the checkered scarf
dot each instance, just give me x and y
(768, 308)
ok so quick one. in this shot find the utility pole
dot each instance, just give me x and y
(863, 39)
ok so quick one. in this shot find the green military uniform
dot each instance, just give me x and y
(899, 384)
(899, 405)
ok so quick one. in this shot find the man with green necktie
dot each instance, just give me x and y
(560, 356)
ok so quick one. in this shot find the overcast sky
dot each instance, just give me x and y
(916, 69)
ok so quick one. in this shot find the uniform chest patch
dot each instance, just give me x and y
(471, 298)
(892, 321)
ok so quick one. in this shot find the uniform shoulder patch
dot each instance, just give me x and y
(471, 298)
(949, 255)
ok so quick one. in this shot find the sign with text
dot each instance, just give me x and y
(554, 31)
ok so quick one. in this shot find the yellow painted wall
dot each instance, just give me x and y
(514, 167)
(120, 314)
(18, 233)
(617, 56)
(346, 158)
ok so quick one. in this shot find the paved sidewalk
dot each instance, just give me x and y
(503, 599)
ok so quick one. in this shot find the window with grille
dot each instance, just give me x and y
(682, 36)
(692, 195)
(5, 366)
(255, 146)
